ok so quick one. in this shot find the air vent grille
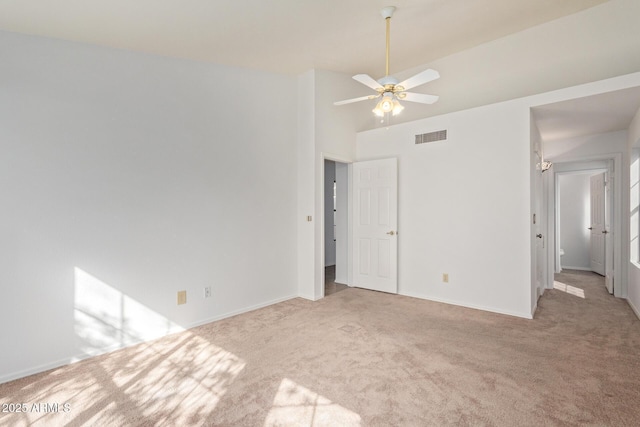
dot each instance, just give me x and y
(440, 135)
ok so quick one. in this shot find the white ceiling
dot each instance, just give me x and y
(607, 112)
(293, 36)
(285, 36)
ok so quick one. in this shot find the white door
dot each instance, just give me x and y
(540, 259)
(598, 231)
(609, 183)
(375, 220)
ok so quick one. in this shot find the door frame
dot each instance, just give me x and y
(557, 244)
(595, 186)
(320, 275)
(615, 201)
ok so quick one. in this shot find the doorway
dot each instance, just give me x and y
(583, 219)
(336, 217)
(579, 250)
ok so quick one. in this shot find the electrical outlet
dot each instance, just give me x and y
(182, 297)
(207, 291)
(445, 277)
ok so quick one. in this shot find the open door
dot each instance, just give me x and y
(609, 184)
(598, 230)
(375, 223)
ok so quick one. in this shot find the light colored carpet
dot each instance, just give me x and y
(365, 358)
(330, 285)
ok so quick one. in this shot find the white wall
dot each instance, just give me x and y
(342, 223)
(597, 43)
(127, 177)
(538, 261)
(306, 163)
(574, 220)
(329, 242)
(594, 44)
(464, 205)
(327, 131)
(633, 143)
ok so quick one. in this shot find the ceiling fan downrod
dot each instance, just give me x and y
(388, 90)
(387, 13)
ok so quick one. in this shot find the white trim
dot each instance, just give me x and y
(580, 170)
(335, 158)
(240, 311)
(566, 267)
(88, 355)
(472, 306)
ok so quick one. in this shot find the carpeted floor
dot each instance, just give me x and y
(330, 285)
(363, 358)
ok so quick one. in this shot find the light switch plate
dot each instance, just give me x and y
(182, 297)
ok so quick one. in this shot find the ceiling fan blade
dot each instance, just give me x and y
(419, 97)
(349, 101)
(419, 79)
(367, 80)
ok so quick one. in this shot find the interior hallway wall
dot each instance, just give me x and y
(329, 241)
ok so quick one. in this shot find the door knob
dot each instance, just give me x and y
(539, 236)
(605, 232)
(590, 228)
(391, 233)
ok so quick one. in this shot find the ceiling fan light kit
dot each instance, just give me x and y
(390, 91)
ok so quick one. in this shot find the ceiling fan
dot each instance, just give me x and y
(390, 91)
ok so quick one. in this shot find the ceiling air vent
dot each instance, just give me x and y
(440, 135)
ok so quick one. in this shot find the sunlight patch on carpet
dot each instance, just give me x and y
(297, 405)
(568, 289)
(172, 381)
(178, 379)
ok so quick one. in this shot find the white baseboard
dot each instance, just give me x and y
(69, 360)
(240, 311)
(566, 267)
(307, 297)
(41, 368)
(476, 307)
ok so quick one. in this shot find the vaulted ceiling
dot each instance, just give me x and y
(285, 36)
(293, 36)
(606, 112)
